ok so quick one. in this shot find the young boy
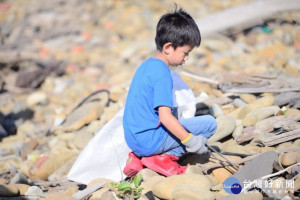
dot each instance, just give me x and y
(151, 131)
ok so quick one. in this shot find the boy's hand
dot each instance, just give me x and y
(195, 144)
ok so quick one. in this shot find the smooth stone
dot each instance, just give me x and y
(164, 188)
(147, 173)
(259, 114)
(268, 124)
(293, 112)
(239, 128)
(9, 190)
(235, 148)
(285, 98)
(58, 195)
(111, 111)
(217, 187)
(287, 146)
(84, 114)
(61, 172)
(221, 174)
(246, 196)
(290, 158)
(193, 169)
(225, 126)
(216, 110)
(183, 192)
(22, 188)
(250, 120)
(297, 142)
(36, 98)
(81, 139)
(34, 191)
(151, 182)
(51, 164)
(248, 98)
(241, 112)
(212, 180)
(239, 102)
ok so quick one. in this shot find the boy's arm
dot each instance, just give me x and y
(171, 123)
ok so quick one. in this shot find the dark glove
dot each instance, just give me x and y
(195, 144)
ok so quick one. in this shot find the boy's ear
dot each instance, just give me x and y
(167, 48)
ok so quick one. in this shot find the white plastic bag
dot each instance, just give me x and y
(104, 156)
(183, 98)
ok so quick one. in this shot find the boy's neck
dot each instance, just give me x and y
(162, 56)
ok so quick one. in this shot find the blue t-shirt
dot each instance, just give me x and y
(150, 88)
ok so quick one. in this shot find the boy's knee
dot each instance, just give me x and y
(212, 125)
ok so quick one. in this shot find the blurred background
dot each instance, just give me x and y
(54, 53)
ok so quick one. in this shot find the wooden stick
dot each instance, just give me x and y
(284, 137)
(200, 78)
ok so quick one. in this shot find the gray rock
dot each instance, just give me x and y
(34, 191)
(225, 126)
(239, 102)
(183, 192)
(19, 178)
(256, 168)
(216, 110)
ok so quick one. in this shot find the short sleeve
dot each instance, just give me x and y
(163, 92)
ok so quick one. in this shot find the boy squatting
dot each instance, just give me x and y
(155, 136)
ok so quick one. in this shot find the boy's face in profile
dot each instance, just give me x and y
(179, 55)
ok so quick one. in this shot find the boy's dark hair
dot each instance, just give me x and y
(177, 27)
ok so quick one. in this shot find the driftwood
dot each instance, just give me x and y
(244, 16)
(200, 78)
(248, 136)
(14, 57)
(287, 124)
(284, 137)
(278, 123)
(252, 83)
(88, 191)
